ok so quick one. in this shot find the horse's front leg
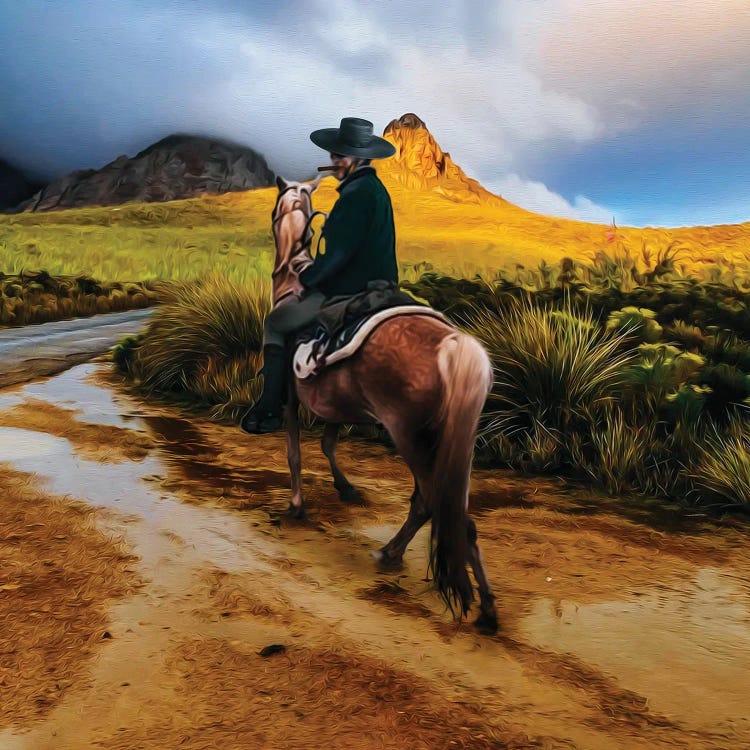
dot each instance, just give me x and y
(296, 507)
(347, 491)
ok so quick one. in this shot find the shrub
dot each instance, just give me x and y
(660, 370)
(641, 322)
(553, 368)
(215, 321)
(724, 467)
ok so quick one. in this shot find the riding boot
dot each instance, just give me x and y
(265, 415)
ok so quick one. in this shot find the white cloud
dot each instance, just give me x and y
(346, 26)
(484, 110)
(496, 82)
(537, 197)
(643, 60)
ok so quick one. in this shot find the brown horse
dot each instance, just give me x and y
(426, 383)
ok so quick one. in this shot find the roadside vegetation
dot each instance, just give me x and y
(36, 297)
(638, 385)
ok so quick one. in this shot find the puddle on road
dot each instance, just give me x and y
(25, 447)
(74, 389)
(686, 649)
(183, 448)
(210, 531)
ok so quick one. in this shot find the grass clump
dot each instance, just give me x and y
(553, 369)
(204, 344)
(724, 465)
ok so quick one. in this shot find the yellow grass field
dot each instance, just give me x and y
(231, 233)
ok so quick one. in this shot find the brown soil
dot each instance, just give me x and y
(229, 696)
(57, 575)
(623, 624)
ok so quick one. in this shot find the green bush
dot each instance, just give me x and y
(553, 368)
(639, 321)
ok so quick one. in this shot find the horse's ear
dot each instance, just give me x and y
(311, 187)
(280, 182)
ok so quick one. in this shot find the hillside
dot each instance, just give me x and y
(442, 217)
(448, 218)
(178, 166)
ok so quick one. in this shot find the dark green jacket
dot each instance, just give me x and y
(360, 238)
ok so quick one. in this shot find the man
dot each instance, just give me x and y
(360, 242)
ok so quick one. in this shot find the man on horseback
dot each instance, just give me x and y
(379, 356)
(360, 244)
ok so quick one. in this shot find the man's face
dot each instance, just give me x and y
(343, 163)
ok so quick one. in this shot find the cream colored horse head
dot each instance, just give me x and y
(292, 234)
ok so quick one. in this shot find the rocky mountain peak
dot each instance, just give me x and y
(175, 167)
(419, 162)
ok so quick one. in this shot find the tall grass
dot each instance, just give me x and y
(609, 400)
(553, 368)
(205, 343)
(617, 451)
(629, 399)
(724, 466)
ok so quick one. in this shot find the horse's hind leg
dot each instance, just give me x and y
(347, 491)
(392, 552)
(487, 620)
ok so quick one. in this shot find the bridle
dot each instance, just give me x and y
(307, 233)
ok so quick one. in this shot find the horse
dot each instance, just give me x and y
(426, 383)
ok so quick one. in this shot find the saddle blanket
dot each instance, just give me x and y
(312, 356)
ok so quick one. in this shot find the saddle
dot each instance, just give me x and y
(344, 323)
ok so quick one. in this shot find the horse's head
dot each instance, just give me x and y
(291, 217)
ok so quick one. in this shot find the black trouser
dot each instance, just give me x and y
(291, 315)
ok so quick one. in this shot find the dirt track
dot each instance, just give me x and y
(29, 352)
(620, 628)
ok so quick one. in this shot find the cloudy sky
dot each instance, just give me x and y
(590, 109)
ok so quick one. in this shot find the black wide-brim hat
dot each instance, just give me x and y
(353, 137)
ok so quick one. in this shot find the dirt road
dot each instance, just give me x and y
(30, 352)
(621, 627)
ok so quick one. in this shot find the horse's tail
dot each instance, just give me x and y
(466, 374)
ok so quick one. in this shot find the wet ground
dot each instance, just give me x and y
(28, 352)
(622, 625)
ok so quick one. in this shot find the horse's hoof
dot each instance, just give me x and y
(486, 623)
(386, 561)
(349, 494)
(296, 511)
